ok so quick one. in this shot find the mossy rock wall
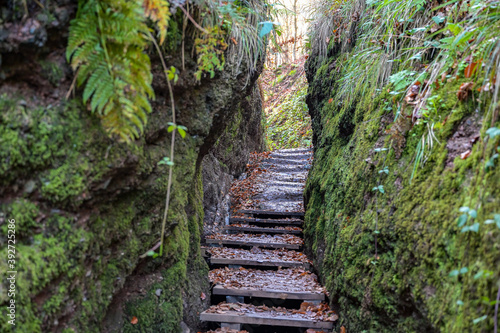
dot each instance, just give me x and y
(386, 258)
(87, 208)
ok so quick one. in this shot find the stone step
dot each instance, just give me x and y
(257, 240)
(291, 283)
(255, 229)
(287, 161)
(258, 257)
(270, 214)
(250, 220)
(294, 157)
(268, 293)
(244, 243)
(290, 171)
(296, 151)
(260, 263)
(274, 318)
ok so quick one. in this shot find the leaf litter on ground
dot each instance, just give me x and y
(252, 226)
(259, 238)
(307, 311)
(257, 254)
(283, 280)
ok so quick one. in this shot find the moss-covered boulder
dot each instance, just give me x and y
(88, 208)
(383, 219)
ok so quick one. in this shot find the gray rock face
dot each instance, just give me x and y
(90, 207)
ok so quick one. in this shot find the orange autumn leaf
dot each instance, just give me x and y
(471, 68)
(465, 154)
(343, 330)
(330, 100)
(134, 320)
(203, 296)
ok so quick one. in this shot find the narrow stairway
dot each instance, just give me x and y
(261, 282)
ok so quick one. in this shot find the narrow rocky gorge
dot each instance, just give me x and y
(141, 189)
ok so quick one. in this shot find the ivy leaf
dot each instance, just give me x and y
(438, 19)
(490, 164)
(460, 303)
(462, 220)
(171, 128)
(478, 275)
(493, 132)
(474, 227)
(464, 209)
(454, 273)
(166, 161)
(384, 170)
(417, 56)
(473, 213)
(480, 319)
(464, 270)
(267, 27)
(380, 149)
(496, 220)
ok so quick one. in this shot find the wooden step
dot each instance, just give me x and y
(267, 213)
(275, 319)
(250, 220)
(251, 243)
(262, 263)
(258, 240)
(268, 293)
(261, 230)
(290, 283)
(258, 257)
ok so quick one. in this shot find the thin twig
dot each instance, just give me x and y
(72, 84)
(184, 25)
(172, 144)
(496, 311)
(193, 21)
(151, 249)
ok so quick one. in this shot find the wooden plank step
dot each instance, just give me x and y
(271, 213)
(258, 257)
(290, 281)
(257, 318)
(263, 263)
(249, 228)
(268, 293)
(257, 244)
(251, 220)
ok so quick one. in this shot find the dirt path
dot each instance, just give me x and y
(261, 280)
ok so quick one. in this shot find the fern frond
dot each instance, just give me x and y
(158, 11)
(107, 43)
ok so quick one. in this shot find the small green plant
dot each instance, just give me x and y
(179, 128)
(379, 188)
(166, 161)
(384, 170)
(210, 49)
